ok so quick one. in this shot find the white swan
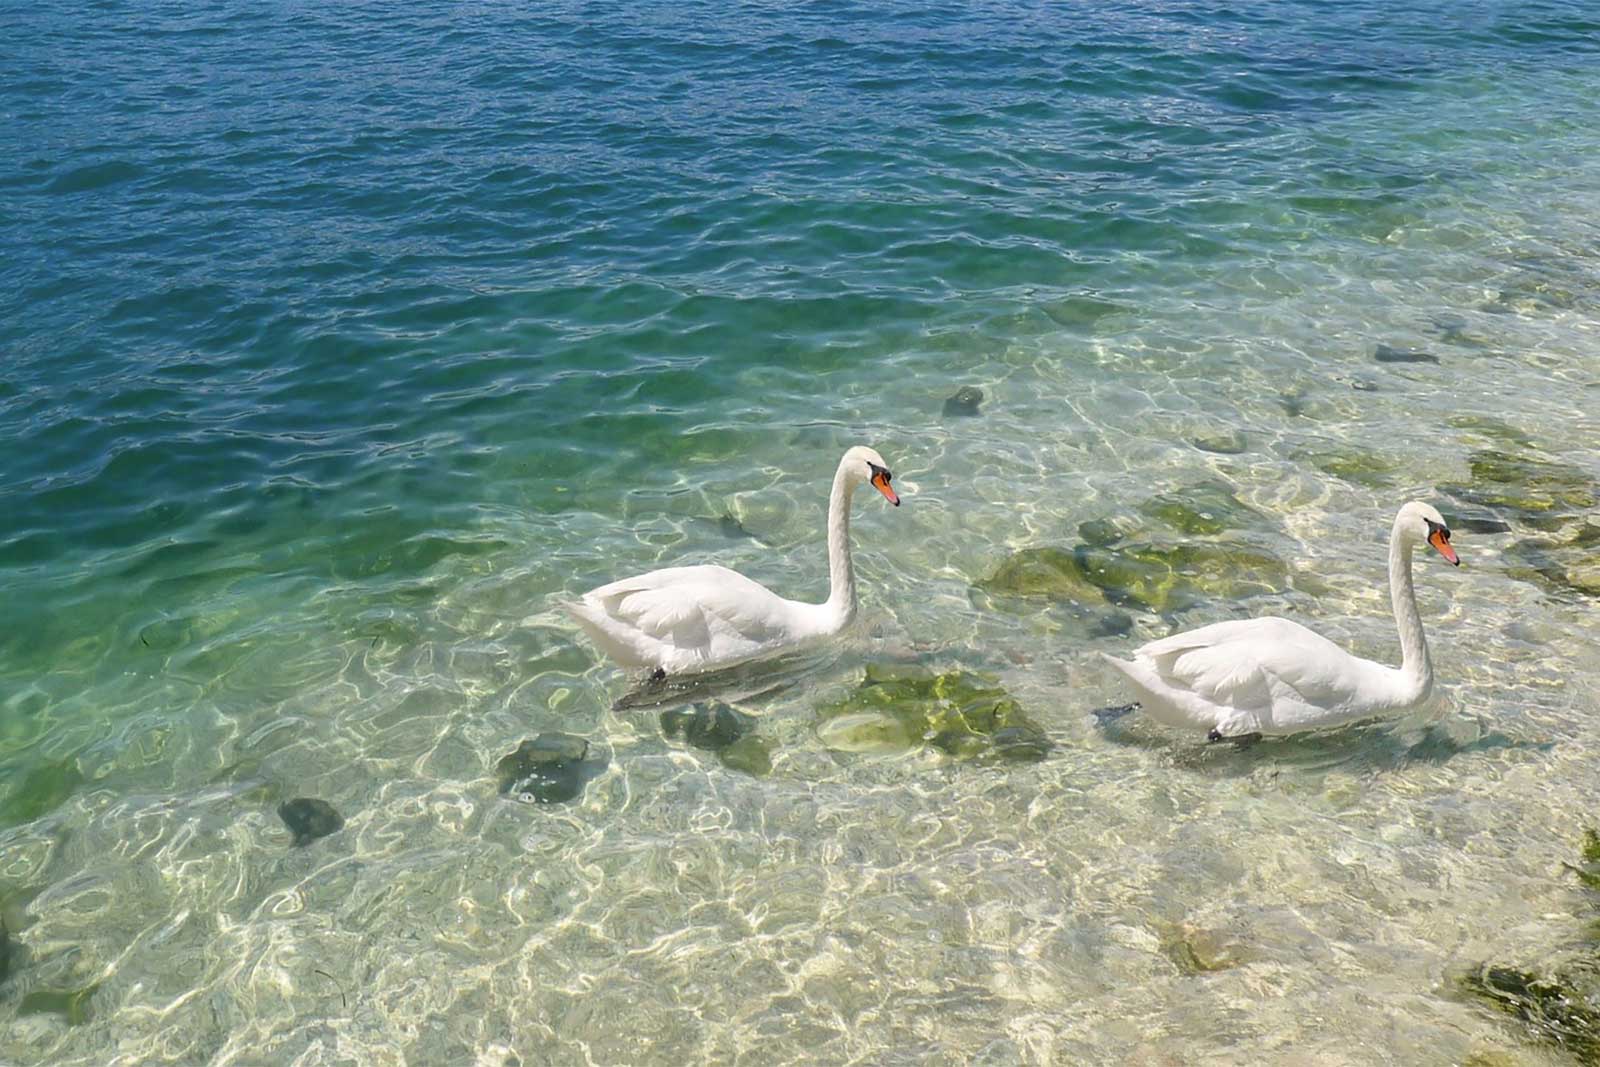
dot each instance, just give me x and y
(689, 619)
(1273, 676)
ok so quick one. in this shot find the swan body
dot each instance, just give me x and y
(683, 620)
(1274, 676)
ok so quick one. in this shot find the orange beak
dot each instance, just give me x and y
(880, 482)
(1441, 543)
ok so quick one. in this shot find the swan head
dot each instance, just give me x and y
(1419, 522)
(862, 464)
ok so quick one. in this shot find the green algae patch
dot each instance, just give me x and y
(1559, 1007)
(1589, 872)
(1541, 493)
(1165, 579)
(1555, 1010)
(73, 1004)
(1157, 578)
(750, 754)
(1563, 567)
(1202, 510)
(963, 714)
(1222, 442)
(1107, 531)
(1354, 465)
(40, 792)
(1490, 428)
(1195, 950)
(1046, 573)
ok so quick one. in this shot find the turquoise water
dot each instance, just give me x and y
(339, 342)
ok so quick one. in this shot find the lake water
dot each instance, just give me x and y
(339, 342)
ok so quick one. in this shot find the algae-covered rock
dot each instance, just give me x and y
(1158, 578)
(550, 769)
(1197, 950)
(1540, 492)
(1566, 566)
(1222, 442)
(1047, 572)
(5, 951)
(1490, 428)
(730, 527)
(1558, 1009)
(308, 819)
(42, 790)
(1202, 510)
(1355, 465)
(711, 726)
(1478, 521)
(963, 714)
(963, 402)
(1107, 530)
(72, 1004)
(750, 754)
(1531, 295)
(1559, 1006)
(1165, 579)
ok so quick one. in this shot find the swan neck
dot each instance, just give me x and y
(841, 572)
(1416, 668)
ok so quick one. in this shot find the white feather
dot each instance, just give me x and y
(689, 619)
(1274, 676)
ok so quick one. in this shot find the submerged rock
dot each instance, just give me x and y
(1570, 565)
(963, 401)
(1478, 521)
(1158, 578)
(1554, 1009)
(732, 528)
(1390, 354)
(550, 769)
(1106, 531)
(42, 790)
(1043, 572)
(1197, 950)
(1531, 295)
(1490, 428)
(1355, 465)
(73, 1004)
(1560, 1007)
(711, 726)
(5, 951)
(1226, 442)
(308, 818)
(1540, 492)
(1165, 579)
(965, 715)
(750, 754)
(1202, 509)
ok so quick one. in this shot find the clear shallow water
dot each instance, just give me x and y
(338, 343)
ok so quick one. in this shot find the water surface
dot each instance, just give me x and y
(341, 341)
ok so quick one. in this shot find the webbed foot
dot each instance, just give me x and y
(1106, 715)
(1239, 741)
